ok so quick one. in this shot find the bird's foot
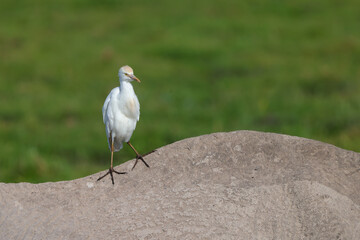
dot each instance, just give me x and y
(142, 159)
(110, 171)
(149, 153)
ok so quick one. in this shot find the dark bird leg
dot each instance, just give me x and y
(138, 156)
(111, 169)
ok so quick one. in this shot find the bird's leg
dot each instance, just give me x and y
(138, 156)
(111, 169)
(112, 155)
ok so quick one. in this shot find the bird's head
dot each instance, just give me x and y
(126, 73)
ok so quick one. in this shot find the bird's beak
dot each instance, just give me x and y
(132, 76)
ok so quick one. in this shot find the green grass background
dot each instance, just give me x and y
(288, 67)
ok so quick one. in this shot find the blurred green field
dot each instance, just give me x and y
(288, 67)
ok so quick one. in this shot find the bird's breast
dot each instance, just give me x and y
(130, 104)
(130, 108)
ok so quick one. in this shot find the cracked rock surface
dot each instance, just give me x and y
(237, 185)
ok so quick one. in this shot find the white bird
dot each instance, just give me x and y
(121, 112)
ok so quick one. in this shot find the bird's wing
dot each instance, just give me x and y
(107, 100)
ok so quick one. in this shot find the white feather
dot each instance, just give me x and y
(121, 110)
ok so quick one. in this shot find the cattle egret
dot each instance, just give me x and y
(121, 112)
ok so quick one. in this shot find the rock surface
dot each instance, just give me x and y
(237, 185)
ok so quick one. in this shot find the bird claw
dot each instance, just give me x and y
(110, 171)
(149, 152)
(142, 159)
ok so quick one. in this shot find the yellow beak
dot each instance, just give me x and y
(132, 76)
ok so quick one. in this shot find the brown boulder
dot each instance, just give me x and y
(237, 185)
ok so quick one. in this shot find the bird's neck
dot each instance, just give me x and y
(126, 87)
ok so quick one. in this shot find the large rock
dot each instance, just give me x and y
(238, 185)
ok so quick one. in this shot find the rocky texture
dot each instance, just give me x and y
(238, 185)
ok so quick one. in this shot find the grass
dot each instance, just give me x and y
(288, 67)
